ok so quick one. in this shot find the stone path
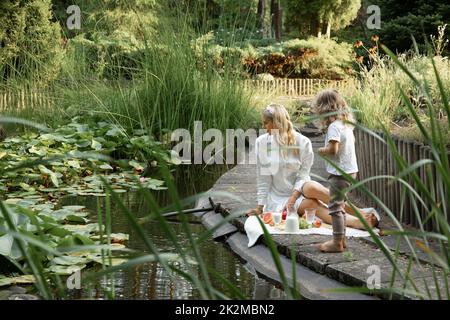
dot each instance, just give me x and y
(316, 270)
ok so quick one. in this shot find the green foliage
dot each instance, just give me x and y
(428, 195)
(38, 169)
(313, 17)
(400, 21)
(225, 15)
(112, 36)
(30, 41)
(74, 153)
(312, 58)
(378, 100)
(57, 228)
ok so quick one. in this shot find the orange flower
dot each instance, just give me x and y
(360, 59)
(358, 44)
(375, 38)
(373, 50)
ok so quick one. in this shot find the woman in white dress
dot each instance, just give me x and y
(284, 158)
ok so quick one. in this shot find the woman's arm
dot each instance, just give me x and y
(263, 183)
(263, 178)
(306, 162)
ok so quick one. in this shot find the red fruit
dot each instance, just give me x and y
(267, 217)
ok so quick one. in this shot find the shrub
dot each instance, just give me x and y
(312, 58)
(27, 37)
(111, 39)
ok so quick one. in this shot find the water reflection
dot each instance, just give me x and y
(151, 281)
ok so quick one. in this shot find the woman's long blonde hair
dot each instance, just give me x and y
(329, 101)
(281, 122)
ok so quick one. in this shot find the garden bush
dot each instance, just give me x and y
(27, 39)
(312, 58)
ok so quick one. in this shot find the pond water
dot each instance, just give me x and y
(152, 281)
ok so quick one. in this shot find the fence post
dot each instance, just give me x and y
(359, 160)
(407, 207)
(414, 158)
(383, 167)
(390, 171)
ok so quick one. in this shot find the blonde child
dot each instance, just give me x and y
(340, 149)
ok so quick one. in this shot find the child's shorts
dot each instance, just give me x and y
(337, 195)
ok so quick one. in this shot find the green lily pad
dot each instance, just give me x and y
(69, 260)
(105, 261)
(66, 270)
(24, 279)
(106, 167)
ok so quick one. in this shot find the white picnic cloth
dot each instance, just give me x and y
(254, 230)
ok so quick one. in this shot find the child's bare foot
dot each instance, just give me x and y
(332, 246)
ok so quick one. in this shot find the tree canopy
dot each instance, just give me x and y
(313, 17)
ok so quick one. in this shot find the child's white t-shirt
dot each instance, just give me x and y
(345, 159)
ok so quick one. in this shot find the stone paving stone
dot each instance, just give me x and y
(312, 257)
(212, 219)
(425, 286)
(356, 272)
(391, 242)
(284, 242)
(309, 283)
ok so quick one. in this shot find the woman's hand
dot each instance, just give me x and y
(255, 212)
(290, 203)
(322, 151)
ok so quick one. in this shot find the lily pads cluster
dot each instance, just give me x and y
(37, 169)
(70, 160)
(57, 229)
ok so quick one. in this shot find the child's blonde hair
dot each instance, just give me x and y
(278, 114)
(328, 101)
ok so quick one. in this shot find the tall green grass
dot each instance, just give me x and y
(378, 101)
(169, 88)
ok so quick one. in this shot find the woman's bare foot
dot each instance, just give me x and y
(370, 218)
(333, 245)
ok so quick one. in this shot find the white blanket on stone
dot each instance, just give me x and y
(254, 230)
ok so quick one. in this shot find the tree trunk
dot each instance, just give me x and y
(261, 13)
(316, 28)
(275, 14)
(329, 28)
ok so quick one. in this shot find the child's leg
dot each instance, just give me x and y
(314, 190)
(337, 211)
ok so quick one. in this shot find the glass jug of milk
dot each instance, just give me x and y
(292, 220)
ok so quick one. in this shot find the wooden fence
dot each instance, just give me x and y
(294, 87)
(16, 100)
(375, 159)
